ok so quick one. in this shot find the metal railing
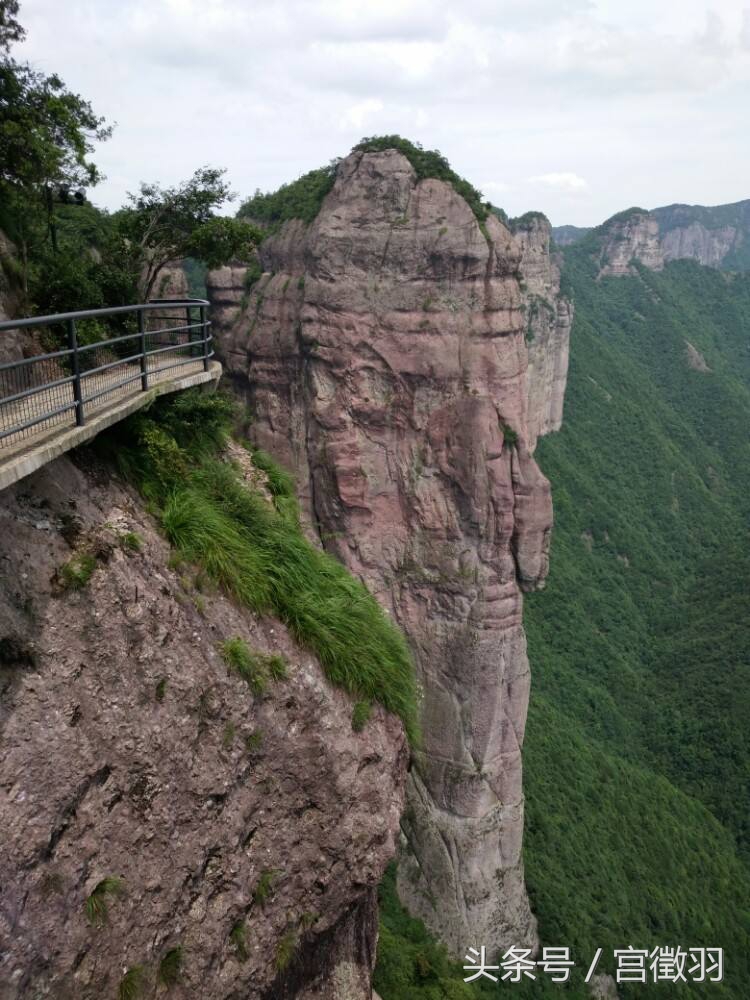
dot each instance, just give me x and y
(72, 375)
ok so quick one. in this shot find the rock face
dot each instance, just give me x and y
(636, 237)
(383, 356)
(129, 752)
(549, 319)
(707, 246)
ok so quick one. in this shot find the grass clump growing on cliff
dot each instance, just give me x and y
(285, 950)
(259, 555)
(238, 937)
(97, 903)
(131, 541)
(264, 888)
(361, 715)
(251, 666)
(170, 966)
(132, 984)
(77, 571)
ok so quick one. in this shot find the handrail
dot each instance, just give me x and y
(17, 324)
(44, 388)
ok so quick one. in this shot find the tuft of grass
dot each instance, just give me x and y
(97, 904)
(249, 665)
(77, 571)
(254, 741)
(228, 735)
(171, 966)
(257, 553)
(132, 984)
(285, 950)
(281, 483)
(264, 888)
(161, 689)
(238, 937)
(361, 715)
(277, 667)
(131, 541)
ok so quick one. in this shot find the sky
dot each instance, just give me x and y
(577, 108)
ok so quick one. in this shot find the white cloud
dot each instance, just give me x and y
(356, 115)
(646, 101)
(562, 181)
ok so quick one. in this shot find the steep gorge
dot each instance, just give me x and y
(383, 354)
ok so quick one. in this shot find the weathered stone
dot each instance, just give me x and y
(125, 755)
(383, 356)
(635, 237)
(549, 318)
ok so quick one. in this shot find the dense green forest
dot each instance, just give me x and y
(637, 754)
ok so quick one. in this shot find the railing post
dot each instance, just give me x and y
(76, 368)
(144, 365)
(204, 333)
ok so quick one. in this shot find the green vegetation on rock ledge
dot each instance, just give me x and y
(429, 163)
(255, 549)
(301, 199)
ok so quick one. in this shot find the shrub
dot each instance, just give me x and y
(510, 437)
(300, 199)
(429, 163)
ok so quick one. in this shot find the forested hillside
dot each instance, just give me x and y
(636, 753)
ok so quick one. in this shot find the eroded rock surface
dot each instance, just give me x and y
(549, 319)
(634, 238)
(130, 752)
(383, 356)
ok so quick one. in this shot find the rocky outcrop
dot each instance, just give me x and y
(248, 831)
(633, 236)
(384, 359)
(715, 236)
(549, 317)
(696, 242)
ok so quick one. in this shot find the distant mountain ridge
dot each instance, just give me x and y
(716, 236)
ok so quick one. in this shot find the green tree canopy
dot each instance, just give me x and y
(159, 225)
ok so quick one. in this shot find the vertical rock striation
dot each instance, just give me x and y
(549, 319)
(383, 355)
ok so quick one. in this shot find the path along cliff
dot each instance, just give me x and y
(402, 357)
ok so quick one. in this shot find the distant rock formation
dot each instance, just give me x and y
(549, 318)
(383, 354)
(631, 236)
(716, 236)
